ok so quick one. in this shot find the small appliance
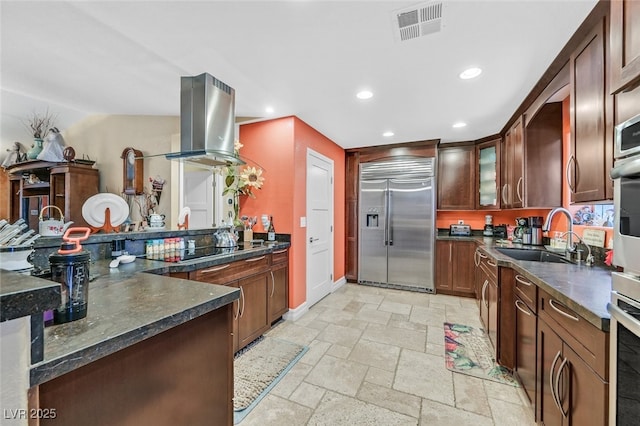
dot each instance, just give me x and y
(460, 230)
(488, 226)
(500, 231)
(535, 228)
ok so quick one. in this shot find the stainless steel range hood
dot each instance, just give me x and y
(207, 122)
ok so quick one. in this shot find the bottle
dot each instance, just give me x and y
(271, 232)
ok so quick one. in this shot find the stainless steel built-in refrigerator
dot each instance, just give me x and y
(397, 223)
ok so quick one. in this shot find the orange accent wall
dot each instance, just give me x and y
(280, 146)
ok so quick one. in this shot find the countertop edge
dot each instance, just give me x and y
(40, 296)
(50, 369)
(601, 321)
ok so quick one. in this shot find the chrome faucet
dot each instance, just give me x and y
(571, 248)
(547, 222)
(547, 225)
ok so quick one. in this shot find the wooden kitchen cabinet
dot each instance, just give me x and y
(512, 191)
(455, 272)
(65, 185)
(570, 393)
(625, 45)
(279, 290)
(488, 175)
(253, 319)
(591, 116)
(572, 376)
(263, 290)
(457, 178)
(526, 328)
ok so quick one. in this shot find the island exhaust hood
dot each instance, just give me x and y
(207, 122)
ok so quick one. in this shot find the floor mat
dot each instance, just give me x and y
(468, 350)
(258, 368)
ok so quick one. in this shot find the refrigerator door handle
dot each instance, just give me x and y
(389, 213)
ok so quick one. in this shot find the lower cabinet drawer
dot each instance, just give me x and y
(527, 291)
(590, 343)
(227, 272)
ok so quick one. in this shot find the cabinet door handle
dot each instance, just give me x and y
(557, 387)
(279, 251)
(450, 252)
(524, 311)
(216, 269)
(484, 297)
(255, 259)
(476, 258)
(273, 284)
(237, 314)
(569, 182)
(242, 298)
(492, 263)
(561, 312)
(518, 192)
(504, 200)
(522, 280)
(552, 386)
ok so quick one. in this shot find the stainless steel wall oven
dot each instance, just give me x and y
(626, 197)
(624, 361)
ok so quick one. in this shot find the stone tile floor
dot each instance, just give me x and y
(376, 357)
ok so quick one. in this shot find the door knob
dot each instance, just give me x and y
(311, 239)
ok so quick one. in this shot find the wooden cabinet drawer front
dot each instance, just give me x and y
(227, 272)
(490, 267)
(527, 291)
(584, 338)
(280, 256)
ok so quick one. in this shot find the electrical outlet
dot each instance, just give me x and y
(460, 222)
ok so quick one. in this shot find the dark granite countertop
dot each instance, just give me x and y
(127, 305)
(584, 289)
(22, 295)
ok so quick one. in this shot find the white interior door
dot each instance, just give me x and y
(319, 226)
(199, 197)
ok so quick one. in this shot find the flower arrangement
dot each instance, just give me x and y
(241, 181)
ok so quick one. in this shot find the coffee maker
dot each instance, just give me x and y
(535, 225)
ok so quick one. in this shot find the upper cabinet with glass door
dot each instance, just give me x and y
(488, 173)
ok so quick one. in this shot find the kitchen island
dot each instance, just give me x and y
(152, 349)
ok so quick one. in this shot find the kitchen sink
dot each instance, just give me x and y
(532, 255)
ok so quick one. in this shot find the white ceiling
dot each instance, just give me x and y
(303, 58)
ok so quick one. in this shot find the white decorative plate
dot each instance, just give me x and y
(94, 208)
(183, 215)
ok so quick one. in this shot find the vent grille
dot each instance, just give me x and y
(402, 168)
(418, 21)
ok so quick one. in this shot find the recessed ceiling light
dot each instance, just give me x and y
(388, 134)
(459, 125)
(470, 73)
(269, 110)
(365, 94)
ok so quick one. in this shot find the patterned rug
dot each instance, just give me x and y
(258, 368)
(468, 350)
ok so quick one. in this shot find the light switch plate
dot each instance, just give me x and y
(303, 222)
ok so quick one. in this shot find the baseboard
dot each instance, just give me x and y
(337, 284)
(296, 313)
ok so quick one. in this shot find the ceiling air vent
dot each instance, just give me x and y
(418, 21)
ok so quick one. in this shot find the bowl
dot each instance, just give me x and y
(15, 258)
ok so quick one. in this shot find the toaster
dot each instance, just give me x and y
(460, 230)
